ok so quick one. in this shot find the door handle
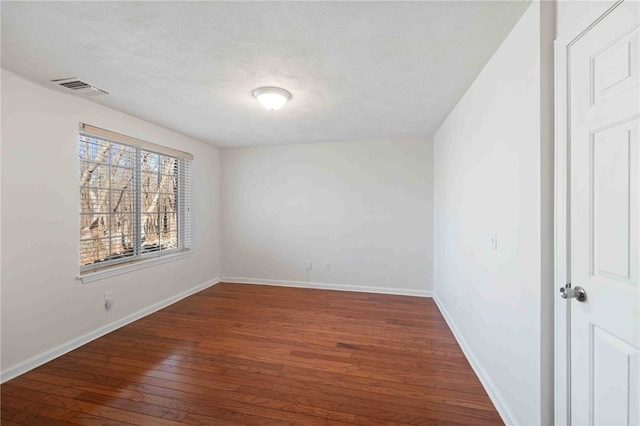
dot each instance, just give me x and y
(578, 293)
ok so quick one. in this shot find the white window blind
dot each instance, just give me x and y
(135, 199)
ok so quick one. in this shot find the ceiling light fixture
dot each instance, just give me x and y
(272, 98)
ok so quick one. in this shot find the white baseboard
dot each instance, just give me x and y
(326, 286)
(489, 386)
(45, 357)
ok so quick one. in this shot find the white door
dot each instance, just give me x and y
(604, 98)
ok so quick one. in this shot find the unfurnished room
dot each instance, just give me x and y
(320, 213)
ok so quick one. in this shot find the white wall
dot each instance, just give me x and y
(364, 207)
(493, 174)
(44, 306)
(569, 13)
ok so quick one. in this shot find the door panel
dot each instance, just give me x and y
(611, 191)
(613, 361)
(604, 119)
(615, 67)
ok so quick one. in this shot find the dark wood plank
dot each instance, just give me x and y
(259, 355)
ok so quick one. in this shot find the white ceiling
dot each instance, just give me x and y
(356, 70)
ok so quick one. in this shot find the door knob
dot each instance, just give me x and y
(578, 293)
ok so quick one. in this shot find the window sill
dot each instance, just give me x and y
(89, 277)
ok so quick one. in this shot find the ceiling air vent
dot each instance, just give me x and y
(80, 87)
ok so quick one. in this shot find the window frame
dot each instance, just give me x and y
(139, 259)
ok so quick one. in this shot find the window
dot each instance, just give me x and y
(134, 199)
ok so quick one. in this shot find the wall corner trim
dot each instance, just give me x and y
(47, 356)
(328, 286)
(505, 412)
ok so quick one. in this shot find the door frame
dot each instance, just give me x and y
(562, 206)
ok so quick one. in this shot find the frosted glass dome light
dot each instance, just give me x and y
(272, 98)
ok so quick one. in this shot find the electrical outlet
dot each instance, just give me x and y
(108, 301)
(493, 242)
(309, 266)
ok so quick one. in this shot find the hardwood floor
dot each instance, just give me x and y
(259, 355)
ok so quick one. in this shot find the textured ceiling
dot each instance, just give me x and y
(356, 70)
